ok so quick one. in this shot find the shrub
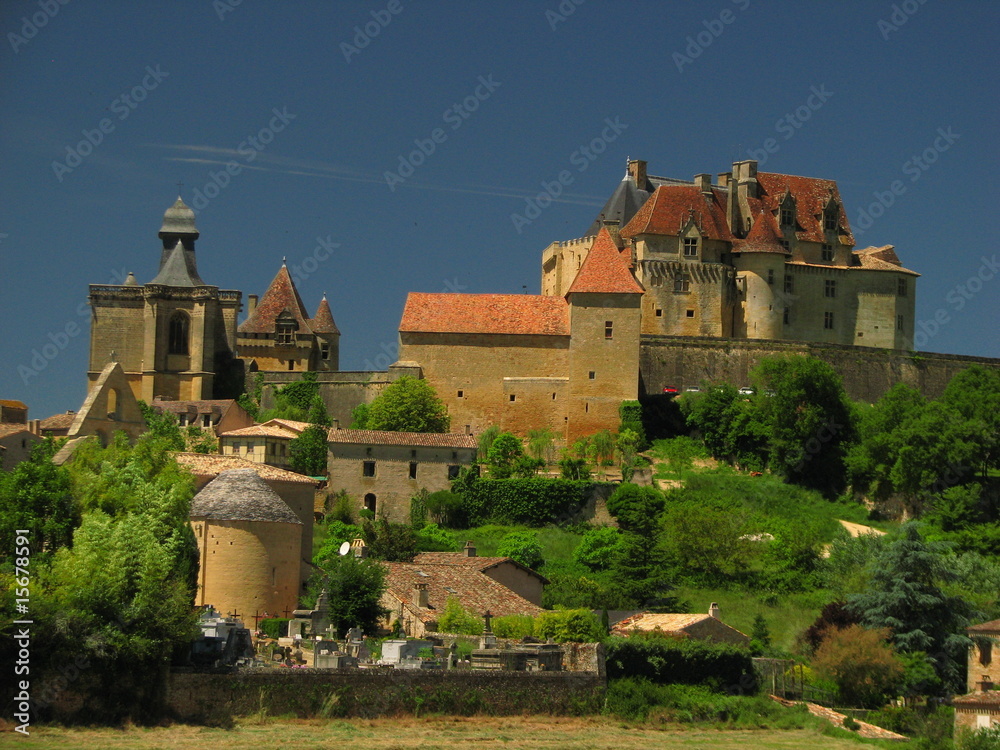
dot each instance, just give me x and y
(447, 509)
(513, 626)
(532, 502)
(981, 739)
(861, 663)
(522, 547)
(569, 625)
(664, 660)
(598, 548)
(455, 619)
(274, 627)
(432, 538)
(340, 507)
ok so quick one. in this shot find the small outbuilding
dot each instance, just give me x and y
(708, 627)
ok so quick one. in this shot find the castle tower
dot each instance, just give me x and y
(604, 312)
(175, 337)
(278, 335)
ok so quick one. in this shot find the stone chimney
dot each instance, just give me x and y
(704, 183)
(637, 171)
(745, 175)
(421, 594)
(469, 549)
(336, 424)
(35, 427)
(714, 611)
(251, 304)
(724, 178)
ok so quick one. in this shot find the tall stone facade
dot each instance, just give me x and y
(174, 337)
(524, 361)
(756, 256)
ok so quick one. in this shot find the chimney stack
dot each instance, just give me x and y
(637, 171)
(703, 183)
(251, 304)
(421, 595)
(714, 611)
(469, 549)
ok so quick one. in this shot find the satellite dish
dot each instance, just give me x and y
(344, 549)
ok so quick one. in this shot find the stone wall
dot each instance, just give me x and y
(868, 372)
(368, 693)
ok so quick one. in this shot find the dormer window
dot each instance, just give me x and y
(285, 333)
(690, 247)
(831, 220)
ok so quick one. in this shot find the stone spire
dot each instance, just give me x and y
(177, 262)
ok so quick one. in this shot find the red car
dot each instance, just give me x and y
(670, 390)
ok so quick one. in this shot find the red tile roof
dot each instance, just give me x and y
(811, 196)
(764, 236)
(58, 421)
(384, 437)
(604, 270)
(481, 564)
(322, 321)
(881, 259)
(671, 206)
(281, 296)
(210, 464)
(993, 626)
(485, 313)
(990, 698)
(476, 591)
(207, 406)
(9, 428)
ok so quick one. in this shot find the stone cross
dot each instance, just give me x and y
(488, 616)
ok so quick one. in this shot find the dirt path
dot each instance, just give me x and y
(857, 529)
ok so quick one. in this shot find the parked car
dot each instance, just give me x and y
(692, 389)
(747, 391)
(670, 390)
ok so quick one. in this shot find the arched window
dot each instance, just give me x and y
(178, 337)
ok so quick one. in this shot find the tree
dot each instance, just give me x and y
(455, 619)
(905, 595)
(636, 508)
(834, 616)
(598, 548)
(359, 417)
(627, 446)
(570, 625)
(602, 446)
(863, 666)
(541, 444)
(447, 508)
(760, 633)
(308, 452)
(355, 587)
(318, 414)
(974, 395)
(708, 545)
(392, 542)
(523, 547)
(163, 425)
(485, 441)
(503, 455)
(36, 496)
(408, 405)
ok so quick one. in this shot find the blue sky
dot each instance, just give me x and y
(312, 103)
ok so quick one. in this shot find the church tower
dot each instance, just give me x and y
(175, 337)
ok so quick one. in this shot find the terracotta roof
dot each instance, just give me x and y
(882, 258)
(667, 623)
(486, 313)
(989, 698)
(322, 321)
(672, 206)
(476, 591)
(261, 430)
(208, 406)
(811, 196)
(58, 421)
(993, 626)
(763, 237)
(384, 437)
(11, 404)
(281, 297)
(10, 428)
(210, 464)
(290, 424)
(241, 495)
(481, 564)
(604, 270)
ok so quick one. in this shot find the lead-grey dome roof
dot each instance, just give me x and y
(241, 495)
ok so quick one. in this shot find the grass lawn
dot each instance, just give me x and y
(556, 543)
(592, 733)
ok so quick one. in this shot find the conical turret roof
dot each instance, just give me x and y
(322, 321)
(281, 297)
(241, 495)
(604, 270)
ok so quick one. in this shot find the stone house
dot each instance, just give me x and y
(384, 470)
(13, 412)
(217, 415)
(757, 255)
(980, 708)
(57, 425)
(265, 443)
(295, 490)
(17, 441)
(522, 580)
(416, 595)
(523, 361)
(702, 627)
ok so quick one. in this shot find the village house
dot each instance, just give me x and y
(215, 415)
(265, 443)
(384, 470)
(980, 708)
(522, 580)
(17, 441)
(701, 627)
(57, 425)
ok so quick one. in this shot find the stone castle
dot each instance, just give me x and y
(754, 256)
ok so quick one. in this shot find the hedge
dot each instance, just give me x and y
(716, 665)
(533, 502)
(274, 627)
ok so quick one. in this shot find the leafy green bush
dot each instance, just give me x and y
(432, 538)
(569, 625)
(981, 739)
(513, 626)
(522, 547)
(274, 627)
(533, 502)
(598, 548)
(340, 507)
(664, 660)
(630, 413)
(447, 509)
(455, 619)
